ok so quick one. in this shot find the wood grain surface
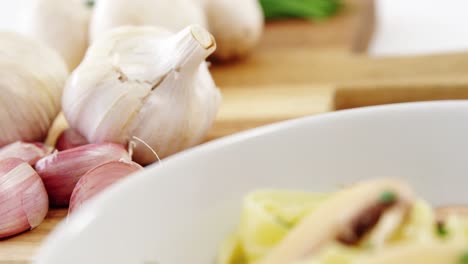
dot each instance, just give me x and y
(303, 68)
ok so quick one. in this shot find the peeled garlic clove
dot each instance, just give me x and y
(69, 139)
(62, 25)
(61, 170)
(236, 25)
(31, 80)
(173, 15)
(28, 152)
(98, 179)
(23, 198)
(146, 83)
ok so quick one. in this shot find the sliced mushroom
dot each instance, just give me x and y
(443, 212)
(424, 253)
(386, 226)
(347, 216)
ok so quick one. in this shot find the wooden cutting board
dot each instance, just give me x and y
(303, 68)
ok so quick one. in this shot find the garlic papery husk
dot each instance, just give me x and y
(70, 138)
(62, 25)
(23, 198)
(32, 77)
(61, 170)
(146, 83)
(171, 14)
(236, 25)
(28, 152)
(98, 179)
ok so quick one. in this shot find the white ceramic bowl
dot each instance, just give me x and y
(180, 211)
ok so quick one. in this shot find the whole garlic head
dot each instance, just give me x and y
(31, 80)
(147, 83)
(171, 14)
(236, 25)
(63, 25)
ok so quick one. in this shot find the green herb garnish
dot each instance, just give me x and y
(387, 197)
(89, 3)
(316, 9)
(463, 258)
(441, 230)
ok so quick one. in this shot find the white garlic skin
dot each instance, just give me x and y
(173, 15)
(147, 83)
(236, 25)
(32, 77)
(63, 25)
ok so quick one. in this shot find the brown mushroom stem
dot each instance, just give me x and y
(350, 213)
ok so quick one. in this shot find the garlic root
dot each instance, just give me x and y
(22, 196)
(147, 83)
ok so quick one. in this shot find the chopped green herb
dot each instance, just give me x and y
(387, 197)
(317, 9)
(90, 3)
(368, 245)
(464, 258)
(441, 229)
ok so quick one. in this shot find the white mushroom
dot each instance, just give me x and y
(346, 217)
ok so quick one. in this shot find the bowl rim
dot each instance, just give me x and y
(70, 227)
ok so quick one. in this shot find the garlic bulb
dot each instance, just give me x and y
(61, 170)
(23, 198)
(28, 152)
(31, 80)
(171, 14)
(98, 179)
(236, 25)
(63, 25)
(146, 83)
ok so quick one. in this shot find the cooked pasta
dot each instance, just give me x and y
(373, 222)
